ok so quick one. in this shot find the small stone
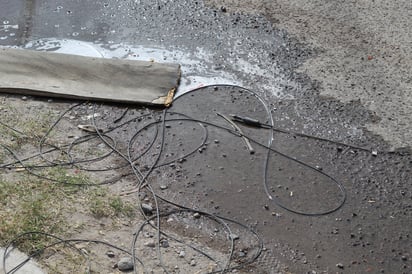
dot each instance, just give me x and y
(217, 67)
(241, 254)
(196, 215)
(339, 265)
(404, 258)
(216, 141)
(182, 254)
(163, 187)
(374, 153)
(150, 244)
(125, 264)
(164, 243)
(234, 236)
(24, 98)
(192, 263)
(147, 209)
(110, 254)
(276, 214)
(223, 9)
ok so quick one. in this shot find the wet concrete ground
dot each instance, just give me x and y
(238, 44)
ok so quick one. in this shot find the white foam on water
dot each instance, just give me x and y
(65, 46)
(5, 28)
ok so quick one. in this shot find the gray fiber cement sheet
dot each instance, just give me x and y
(71, 76)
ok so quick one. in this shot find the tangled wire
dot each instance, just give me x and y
(158, 125)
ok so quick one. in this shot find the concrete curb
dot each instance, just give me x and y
(14, 258)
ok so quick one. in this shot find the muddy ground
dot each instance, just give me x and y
(291, 55)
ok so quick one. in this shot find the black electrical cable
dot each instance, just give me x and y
(269, 150)
(30, 171)
(203, 142)
(236, 133)
(256, 123)
(130, 159)
(43, 139)
(163, 121)
(121, 116)
(154, 195)
(144, 177)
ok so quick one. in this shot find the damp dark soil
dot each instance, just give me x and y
(368, 233)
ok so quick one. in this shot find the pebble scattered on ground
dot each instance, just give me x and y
(125, 263)
(340, 265)
(147, 209)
